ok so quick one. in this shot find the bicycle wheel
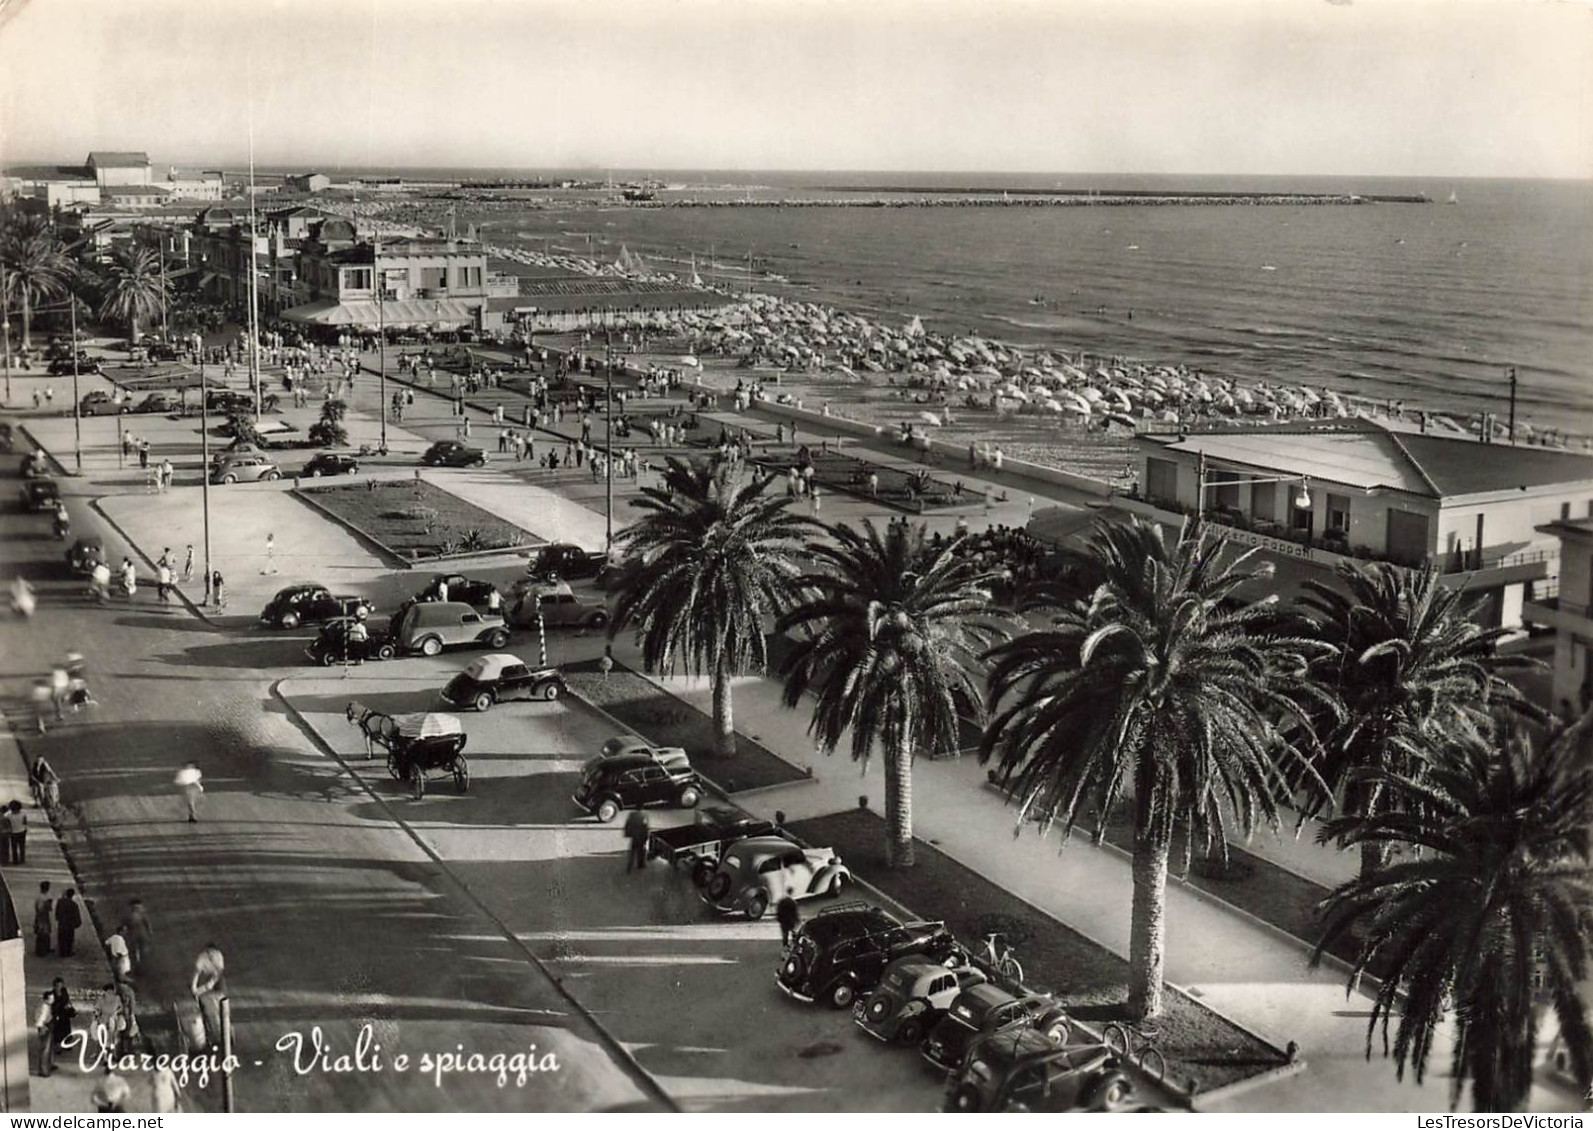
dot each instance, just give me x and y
(1116, 1037)
(1010, 967)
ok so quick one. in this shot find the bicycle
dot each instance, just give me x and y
(998, 954)
(1136, 1045)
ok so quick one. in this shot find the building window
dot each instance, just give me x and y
(1565, 512)
(1338, 513)
(1264, 502)
(1224, 490)
(357, 279)
(434, 278)
(1161, 480)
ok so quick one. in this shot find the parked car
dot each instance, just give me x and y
(753, 875)
(99, 403)
(35, 466)
(470, 591)
(162, 351)
(236, 448)
(493, 678)
(311, 604)
(635, 781)
(85, 554)
(558, 607)
(630, 744)
(985, 1009)
(566, 560)
(699, 845)
(842, 952)
(452, 453)
(161, 402)
(62, 366)
(430, 626)
(1022, 1070)
(330, 463)
(39, 495)
(228, 400)
(339, 642)
(245, 469)
(912, 996)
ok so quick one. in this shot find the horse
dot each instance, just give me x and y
(376, 728)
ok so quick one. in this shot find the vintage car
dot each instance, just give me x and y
(630, 744)
(63, 367)
(100, 403)
(842, 952)
(341, 642)
(469, 590)
(330, 463)
(1022, 1070)
(755, 874)
(452, 453)
(985, 1009)
(38, 495)
(85, 554)
(566, 560)
(558, 607)
(161, 402)
(498, 676)
(35, 466)
(699, 845)
(311, 604)
(913, 994)
(428, 627)
(245, 469)
(635, 781)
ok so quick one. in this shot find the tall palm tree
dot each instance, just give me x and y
(133, 288)
(1163, 687)
(1498, 894)
(37, 266)
(890, 633)
(715, 556)
(1413, 673)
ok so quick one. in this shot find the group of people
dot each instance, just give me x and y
(65, 687)
(1018, 555)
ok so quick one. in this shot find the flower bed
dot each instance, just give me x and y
(416, 520)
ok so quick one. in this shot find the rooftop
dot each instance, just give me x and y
(135, 190)
(1366, 454)
(117, 159)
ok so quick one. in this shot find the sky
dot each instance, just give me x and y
(1357, 87)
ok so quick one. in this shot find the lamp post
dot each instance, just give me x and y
(608, 446)
(381, 331)
(204, 476)
(77, 405)
(5, 327)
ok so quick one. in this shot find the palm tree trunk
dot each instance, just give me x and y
(724, 713)
(1374, 854)
(27, 321)
(899, 807)
(1148, 928)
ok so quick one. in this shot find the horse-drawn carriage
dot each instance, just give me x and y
(417, 745)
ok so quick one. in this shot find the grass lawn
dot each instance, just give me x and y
(1089, 979)
(650, 711)
(415, 519)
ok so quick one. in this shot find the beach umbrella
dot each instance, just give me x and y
(929, 418)
(688, 361)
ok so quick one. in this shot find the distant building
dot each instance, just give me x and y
(1473, 510)
(134, 196)
(1567, 607)
(307, 182)
(195, 186)
(112, 168)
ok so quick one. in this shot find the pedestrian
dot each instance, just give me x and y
(208, 984)
(789, 918)
(5, 835)
(60, 685)
(43, 915)
(143, 454)
(40, 697)
(188, 563)
(117, 950)
(68, 918)
(873, 485)
(813, 497)
(46, 783)
(586, 429)
(189, 782)
(140, 934)
(54, 1024)
(165, 474)
(218, 589)
(129, 578)
(636, 830)
(18, 836)
(503, 441)
(108, 1023)
(111, 1093)
(165, 1093)
(163, 582)
(271, 554)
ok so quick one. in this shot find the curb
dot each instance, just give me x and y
(398, 560)
(193, 607)
(623, 1055)
(1249, 1084)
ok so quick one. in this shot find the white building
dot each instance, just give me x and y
(1567, 607)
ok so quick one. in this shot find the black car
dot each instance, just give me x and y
(161, 402)
(982, 1010)
(843, 950)
(566, 560)
(330, 463)
(40, 495)
(99, 403)
(85, 554)
(227, 400)
(338, 643)
(452, 453)
(311, 604)
(1022, 1070)
(62, 366)
(461, 588)
(498, 676)
(35, 466)
(636, 781)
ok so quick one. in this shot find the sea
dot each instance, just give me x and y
(1431, 304)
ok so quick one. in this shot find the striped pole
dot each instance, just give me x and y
(542, 638)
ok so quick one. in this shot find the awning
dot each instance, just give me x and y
(440, 313)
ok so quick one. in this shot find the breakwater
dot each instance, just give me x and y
(897, 199)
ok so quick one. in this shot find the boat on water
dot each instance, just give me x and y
(1454, 199)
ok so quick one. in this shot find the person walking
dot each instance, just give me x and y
(636, 829)
(188, 563)
(218, 589)
(143, 455)
(60, 685)
(43, 914)
(190, 784)
(5, 835)
(789, 918)
(40, 697)
(208, 984)
(18, 834)
(120, 955)
(140, 934)
(68, 918)
(112, 1092)
(165, 475)
(163, 582)
(271, 554)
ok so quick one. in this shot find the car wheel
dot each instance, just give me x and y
(1111, 1094)
(430, 646)
(702, 873)
(911, 1031)
(271, 476)
(842, 995)
(689, 797)
(289, 620)
(353, 469)
(417, 782)
(1056, 1031)
(229, 479)
(314, 473)
(599, 620)
(480, 462)
(384, 651)
(483, 701)
(550, 691)
(758, 905)
(965, 1098)
(328, 659)
(607, 810)
(498, 638)
(719, 885)
(877, 1009)
(461, 774)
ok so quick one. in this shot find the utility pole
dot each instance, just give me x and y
(1512, 404)
(5, 327)
(608, 446)
(77, 405)
(381, 329)
(204, 478)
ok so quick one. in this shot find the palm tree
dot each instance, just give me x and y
(328, 431)
(715, 556)
(1498, 896)
(1413, 673)
(133, 288)
(1162, 686)
(892, 629)
(36, 265)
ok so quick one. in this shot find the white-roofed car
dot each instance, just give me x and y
(558, 607)
(913, 994)
(671, 757)
(498, 676)
(755, 874)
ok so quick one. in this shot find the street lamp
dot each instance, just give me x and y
(608, 443)
(1302, 501)
(381, 329)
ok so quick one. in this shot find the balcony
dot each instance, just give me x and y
(1552, 611)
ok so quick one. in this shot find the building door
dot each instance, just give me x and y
(1407, 537)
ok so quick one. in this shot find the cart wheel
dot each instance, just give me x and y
(417, 781)
(461, 774)
(394, 768)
